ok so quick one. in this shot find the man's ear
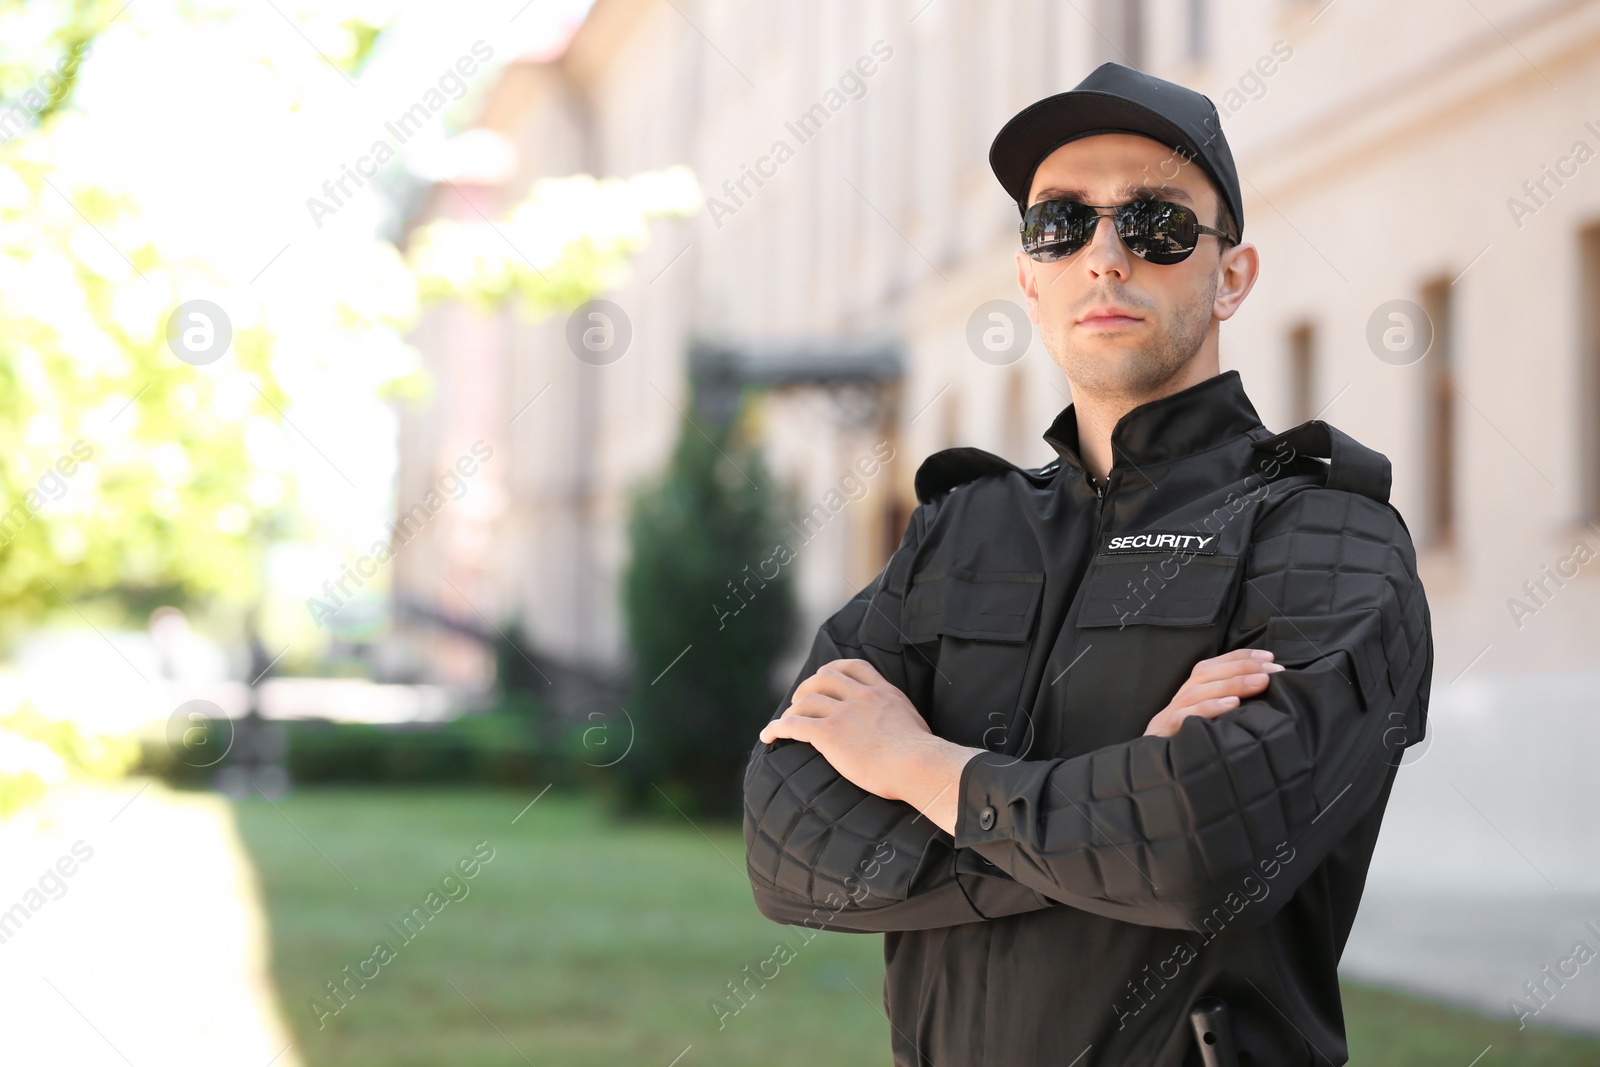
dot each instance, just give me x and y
(1241, 265)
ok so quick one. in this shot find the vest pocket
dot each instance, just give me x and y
(979, 606)
(1156, 589)
(974, 628)
(1305, 642)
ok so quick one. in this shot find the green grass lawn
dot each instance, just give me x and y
(585, 942)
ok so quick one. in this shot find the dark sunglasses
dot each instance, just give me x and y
(1156, 231)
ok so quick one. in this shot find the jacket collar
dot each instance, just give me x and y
(1204, 415)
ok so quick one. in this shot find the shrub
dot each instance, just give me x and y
(705, 620)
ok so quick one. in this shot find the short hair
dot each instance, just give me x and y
(1225, 220)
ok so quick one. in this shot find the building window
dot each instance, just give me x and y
(1197, 31)
(1589, 372)
(1019, 430)
(1439, 415)
(896, 517)
(1302, 373)
(1121, 36)
(950, 415)
(1133, 31)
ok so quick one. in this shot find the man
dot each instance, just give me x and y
(1114, 736)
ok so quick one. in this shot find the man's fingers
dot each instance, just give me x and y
(1237, 655)
(1211, 670)
(1206, 709)
(800, 727)
(1239, 685)
(1216, 685)
(838, 678)
(827, 682)
(858, 669)
(1226, 672)
(811, 705)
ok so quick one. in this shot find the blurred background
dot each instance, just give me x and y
(433, 434)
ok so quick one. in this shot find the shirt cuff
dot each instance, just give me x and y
(983, 813)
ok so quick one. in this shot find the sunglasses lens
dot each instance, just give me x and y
(1054, 229)
(1158, 231)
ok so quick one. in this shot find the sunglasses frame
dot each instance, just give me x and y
(1122, 213)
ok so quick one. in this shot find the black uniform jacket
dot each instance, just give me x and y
(1100, 881)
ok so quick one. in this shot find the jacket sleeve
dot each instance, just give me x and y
(822, 852)
(1162, 831)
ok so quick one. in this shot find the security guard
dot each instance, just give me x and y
(1108, 741)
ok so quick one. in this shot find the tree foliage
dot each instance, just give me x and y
(710, 608)
(129, 477)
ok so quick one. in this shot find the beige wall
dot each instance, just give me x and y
(1378, 155)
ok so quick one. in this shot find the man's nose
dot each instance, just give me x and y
(1105, 251)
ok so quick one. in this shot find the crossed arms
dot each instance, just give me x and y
(860, 820)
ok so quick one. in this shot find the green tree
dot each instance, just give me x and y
(710, 607)
(130, 478)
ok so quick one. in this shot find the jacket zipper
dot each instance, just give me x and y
(1100, 489)
(1094, 548)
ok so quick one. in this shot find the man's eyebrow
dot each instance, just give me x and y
(1125, 191)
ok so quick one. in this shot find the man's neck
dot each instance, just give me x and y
(1098, 414)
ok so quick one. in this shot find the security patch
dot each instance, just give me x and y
(1186, 542)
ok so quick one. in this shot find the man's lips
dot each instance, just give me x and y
(1107, 321)
(1108, 317)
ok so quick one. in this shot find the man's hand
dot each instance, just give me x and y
(874, 736)
(1215, 685)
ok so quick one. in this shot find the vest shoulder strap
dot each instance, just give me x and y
(1352, 466)
(950, 467)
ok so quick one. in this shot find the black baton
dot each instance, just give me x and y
(1213, 1031)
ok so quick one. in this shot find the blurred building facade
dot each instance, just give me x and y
(1394, 158)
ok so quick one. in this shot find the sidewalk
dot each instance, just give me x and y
(133, 934)
(1487, 870)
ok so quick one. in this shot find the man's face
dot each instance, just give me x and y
(1173, 307)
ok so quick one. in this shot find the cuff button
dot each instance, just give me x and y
(986, 819)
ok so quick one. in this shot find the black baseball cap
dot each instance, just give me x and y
(1116, 99)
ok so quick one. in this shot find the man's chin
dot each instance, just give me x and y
(1117, 370)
